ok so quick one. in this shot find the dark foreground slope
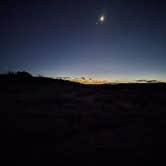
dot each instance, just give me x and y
(59, 122)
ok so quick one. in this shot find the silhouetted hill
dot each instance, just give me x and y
(51, 121)
(25, 81)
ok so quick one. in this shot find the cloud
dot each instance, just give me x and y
(148, 81)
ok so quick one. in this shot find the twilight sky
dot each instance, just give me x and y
(61, 38)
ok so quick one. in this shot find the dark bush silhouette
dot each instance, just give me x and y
(23, 74)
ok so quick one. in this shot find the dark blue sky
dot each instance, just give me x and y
(61, 38)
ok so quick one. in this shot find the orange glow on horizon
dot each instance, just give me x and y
(91, 82)
(100, 82)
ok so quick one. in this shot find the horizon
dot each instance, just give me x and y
(86, 80)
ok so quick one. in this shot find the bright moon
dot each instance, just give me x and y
(102, 18)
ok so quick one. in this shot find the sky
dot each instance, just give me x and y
(65, 38)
